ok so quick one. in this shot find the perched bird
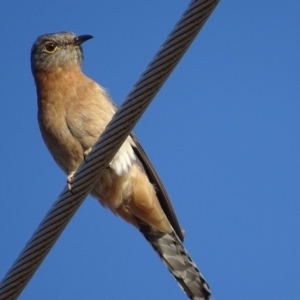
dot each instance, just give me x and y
(73, 111)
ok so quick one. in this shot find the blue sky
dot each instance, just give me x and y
(223, 133)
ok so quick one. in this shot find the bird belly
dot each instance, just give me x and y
(115, 184)
(126, 190)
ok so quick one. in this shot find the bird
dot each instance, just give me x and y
(73, 111)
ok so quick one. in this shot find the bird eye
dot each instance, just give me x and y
(50, 47)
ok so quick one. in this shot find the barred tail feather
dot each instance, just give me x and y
(174, 255)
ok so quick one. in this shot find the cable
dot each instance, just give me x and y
(106, 147)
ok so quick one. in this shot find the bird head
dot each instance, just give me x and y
(57, 50)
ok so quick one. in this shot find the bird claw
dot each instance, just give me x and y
(69, 180)
(86, 152)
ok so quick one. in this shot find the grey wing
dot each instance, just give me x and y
(161, 192)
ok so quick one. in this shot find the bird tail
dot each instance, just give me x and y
(174, 255)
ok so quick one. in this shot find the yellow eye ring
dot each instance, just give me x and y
(50, 47)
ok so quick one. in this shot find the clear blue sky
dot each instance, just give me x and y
(223, 133)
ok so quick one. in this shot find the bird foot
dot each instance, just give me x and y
(86, 152)
(69, 180)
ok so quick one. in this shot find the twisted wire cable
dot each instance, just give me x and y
(106, 147)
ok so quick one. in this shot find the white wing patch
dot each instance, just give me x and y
(124, 158)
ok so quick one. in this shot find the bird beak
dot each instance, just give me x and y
(81, 39)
